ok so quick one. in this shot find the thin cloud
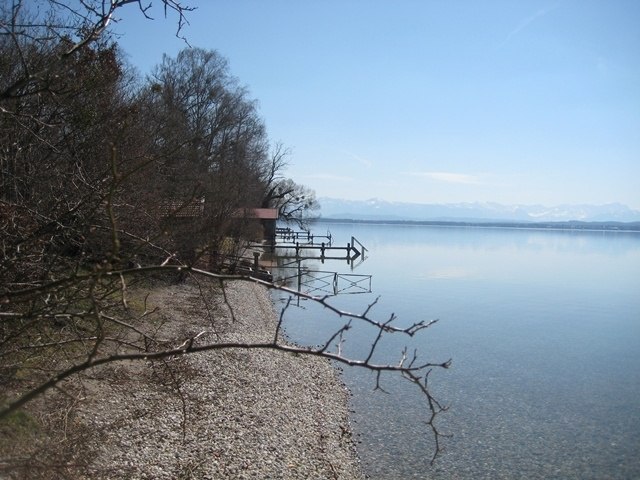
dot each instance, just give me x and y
(361, 160)
(327, 176)
(449, 177)
(526, 22)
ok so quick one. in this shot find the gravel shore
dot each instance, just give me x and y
(222, 414)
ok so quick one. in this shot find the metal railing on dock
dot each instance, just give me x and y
(313, 282)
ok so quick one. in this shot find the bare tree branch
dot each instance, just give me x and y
(410, 368)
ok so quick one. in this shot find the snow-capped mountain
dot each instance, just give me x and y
(376, 209)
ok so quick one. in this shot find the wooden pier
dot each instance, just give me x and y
(321, 251)
(352, 251)
(287, 235)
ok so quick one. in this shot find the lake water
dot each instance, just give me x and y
(543, 328)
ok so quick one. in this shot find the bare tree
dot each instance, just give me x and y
(208, 139)
(273, 172)
(42, 22)
(295, 203)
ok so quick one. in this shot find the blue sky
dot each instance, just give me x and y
(516, 102)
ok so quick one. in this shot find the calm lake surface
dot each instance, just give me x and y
(543, 328)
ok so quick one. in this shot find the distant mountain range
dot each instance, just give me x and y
(375, 209)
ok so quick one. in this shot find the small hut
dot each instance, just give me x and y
(267, 218)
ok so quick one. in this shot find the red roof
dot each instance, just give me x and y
(263, 213)
(194, 207)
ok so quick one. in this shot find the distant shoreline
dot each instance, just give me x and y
(616, 227)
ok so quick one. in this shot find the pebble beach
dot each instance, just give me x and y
(237, 413)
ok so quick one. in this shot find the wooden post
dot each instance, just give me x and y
(213, 261)
(256, 265)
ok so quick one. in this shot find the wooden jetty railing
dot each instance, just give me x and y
(351, 252)
(288, 235)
